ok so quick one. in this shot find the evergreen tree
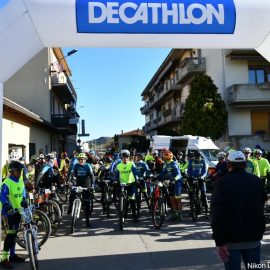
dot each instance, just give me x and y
(205, 113)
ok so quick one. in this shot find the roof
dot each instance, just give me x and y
(135, 132)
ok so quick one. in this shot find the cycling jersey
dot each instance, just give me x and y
(264, 166)
(197, 168)
(170, 171)
(149, 157)
(84, 175)
(13, 192)
(142, 169)
(126, 173)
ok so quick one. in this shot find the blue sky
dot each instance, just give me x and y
(109, 83)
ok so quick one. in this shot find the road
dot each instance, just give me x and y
(184, 245)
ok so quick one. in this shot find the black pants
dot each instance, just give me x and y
(12, 230)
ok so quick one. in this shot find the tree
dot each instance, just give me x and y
(205, 113)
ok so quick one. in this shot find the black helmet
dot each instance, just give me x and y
(15, 165)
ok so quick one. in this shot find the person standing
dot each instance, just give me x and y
(13, 197)
(237, 214)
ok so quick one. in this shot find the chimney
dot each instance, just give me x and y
(122, 132)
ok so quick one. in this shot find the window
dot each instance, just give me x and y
(259, 74)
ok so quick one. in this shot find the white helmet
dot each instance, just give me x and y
(125, 152)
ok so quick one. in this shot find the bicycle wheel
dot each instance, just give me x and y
(53, 211)
(60, 206)
(75, 213)
(41, 220)
(158, 214)
(121, 213)
(107, 203)
(30, 243)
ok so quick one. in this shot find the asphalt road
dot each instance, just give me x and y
(183, 245)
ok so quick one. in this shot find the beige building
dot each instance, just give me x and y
(40, 107)
(243, 80)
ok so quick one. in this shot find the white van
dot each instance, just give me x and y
(187, 144)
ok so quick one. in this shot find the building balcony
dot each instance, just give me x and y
(64, 124)
(167, 112)
(178, 111)
(145, 109)
(249, 95)
(63, 87)
(189, 67)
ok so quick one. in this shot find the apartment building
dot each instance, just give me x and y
(40, 107)
(242, 78)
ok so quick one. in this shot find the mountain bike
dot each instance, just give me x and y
(194, 197)
(108, 196)
(77, 204)
(29, 232)
(123, 205)
(50, 207)
(42, 222)
(159, 200)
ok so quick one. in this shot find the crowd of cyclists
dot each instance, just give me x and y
(136, 170)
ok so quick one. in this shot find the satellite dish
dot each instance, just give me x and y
(58, 67)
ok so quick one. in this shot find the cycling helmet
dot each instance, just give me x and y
(125, 153)
(155, 152)
(48, 157)
(221, 155)
(107, 160)
(41, 156)
(168, 155)
(34, 158)
(236, 156)
(258, 152)
(246, 150)
(15, 165)
(82, 155)
(180, 153)
(140, 155)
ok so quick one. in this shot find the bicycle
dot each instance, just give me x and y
(50, 207)
(42, 222)
(108, 196)
(141, 185)
(123, 205)
(195, 201)
(159, 199)
(77, 204)
(30, 231)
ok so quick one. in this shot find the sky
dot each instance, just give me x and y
(109, 83)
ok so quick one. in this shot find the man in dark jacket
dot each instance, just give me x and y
(237, 211)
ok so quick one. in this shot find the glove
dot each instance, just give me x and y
(24, 204)
(7, 208)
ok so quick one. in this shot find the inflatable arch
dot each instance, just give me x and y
(27, 26)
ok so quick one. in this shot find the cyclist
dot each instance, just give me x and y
(83, 173)
(263, 164)
(158, 164)
(73, 161)
(221, 167)
(182, 162)
(197, 169)
(13, 196)
(142, 172)
(48, 175)
(251, 164)
(172, 172)
(126, 173)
